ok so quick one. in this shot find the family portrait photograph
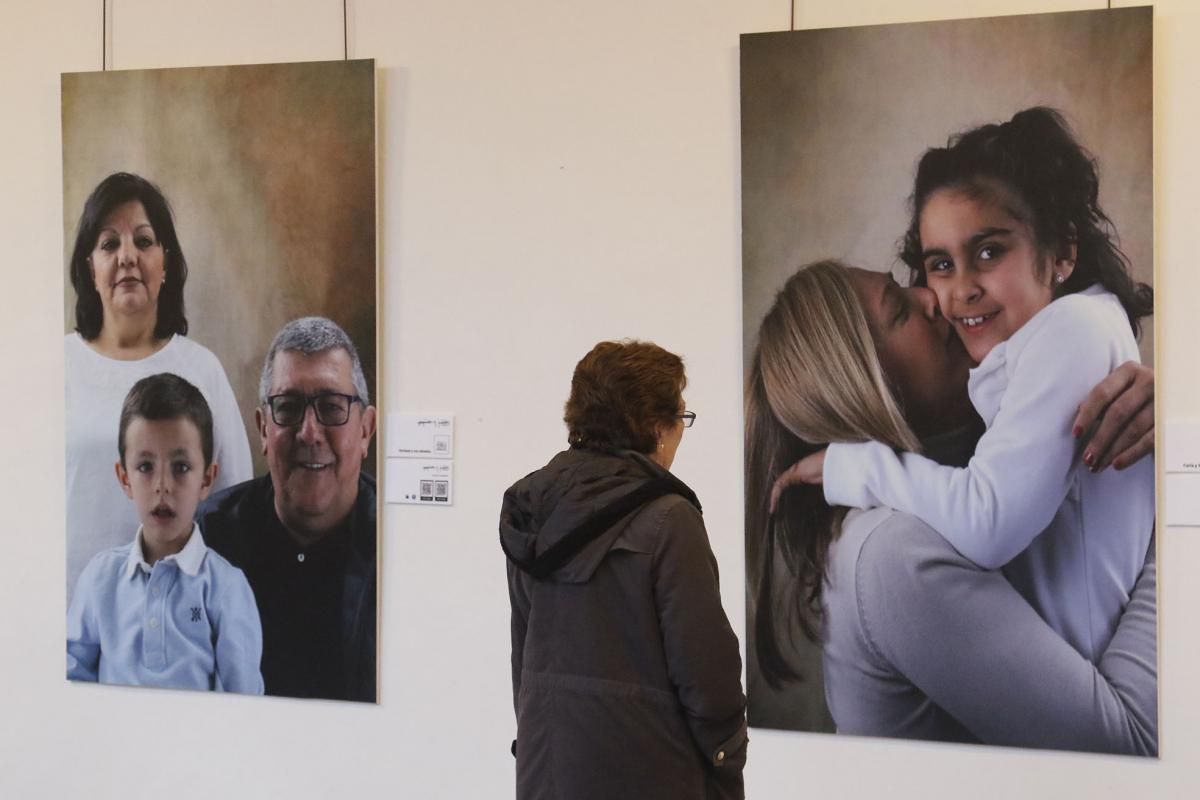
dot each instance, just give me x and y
(220, 319)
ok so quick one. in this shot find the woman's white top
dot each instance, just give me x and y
(99, 515)
(1070, 540)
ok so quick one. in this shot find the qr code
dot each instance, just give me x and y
(441, 489)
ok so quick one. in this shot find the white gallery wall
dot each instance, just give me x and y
(551, 174)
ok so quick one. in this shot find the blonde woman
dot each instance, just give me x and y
(917, 641)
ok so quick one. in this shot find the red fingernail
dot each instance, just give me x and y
(1078, 429)
(1087, 457)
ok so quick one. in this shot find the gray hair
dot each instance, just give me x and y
(310, 335)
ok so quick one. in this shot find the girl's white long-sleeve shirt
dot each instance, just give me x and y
(1070, 540)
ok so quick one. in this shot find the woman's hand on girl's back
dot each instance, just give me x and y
(808, 470)
(1121, 408)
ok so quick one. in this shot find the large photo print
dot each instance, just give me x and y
(948, 347)
(220, 367)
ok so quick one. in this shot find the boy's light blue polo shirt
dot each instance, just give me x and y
(188, 622)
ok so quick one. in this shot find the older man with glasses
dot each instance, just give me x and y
(305, 534)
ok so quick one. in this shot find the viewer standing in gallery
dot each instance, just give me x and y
(626, 673)
(128, 272)
(305, 534)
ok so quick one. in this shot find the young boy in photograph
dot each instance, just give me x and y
(164, 610)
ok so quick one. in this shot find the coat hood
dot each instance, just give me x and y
(576, 486)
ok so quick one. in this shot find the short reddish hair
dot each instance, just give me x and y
(620, 393)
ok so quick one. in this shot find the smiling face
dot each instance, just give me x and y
(164, 474)
(314, 467)
(127, 263)
(924, 361)
(982, 260)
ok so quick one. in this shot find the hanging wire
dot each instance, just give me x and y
(345, 33)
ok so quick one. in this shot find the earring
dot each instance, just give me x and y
(1059, 277)
(660, 445)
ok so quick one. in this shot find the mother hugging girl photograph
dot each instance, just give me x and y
(949, 420)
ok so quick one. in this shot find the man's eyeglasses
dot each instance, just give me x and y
(332, 409)
(688, 418)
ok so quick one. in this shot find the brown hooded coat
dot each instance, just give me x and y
(626, 673)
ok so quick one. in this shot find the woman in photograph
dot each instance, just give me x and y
(918, 641)
(128, 272)
(626, 673)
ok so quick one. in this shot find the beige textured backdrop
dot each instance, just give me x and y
(270, 172)
(834, 121)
